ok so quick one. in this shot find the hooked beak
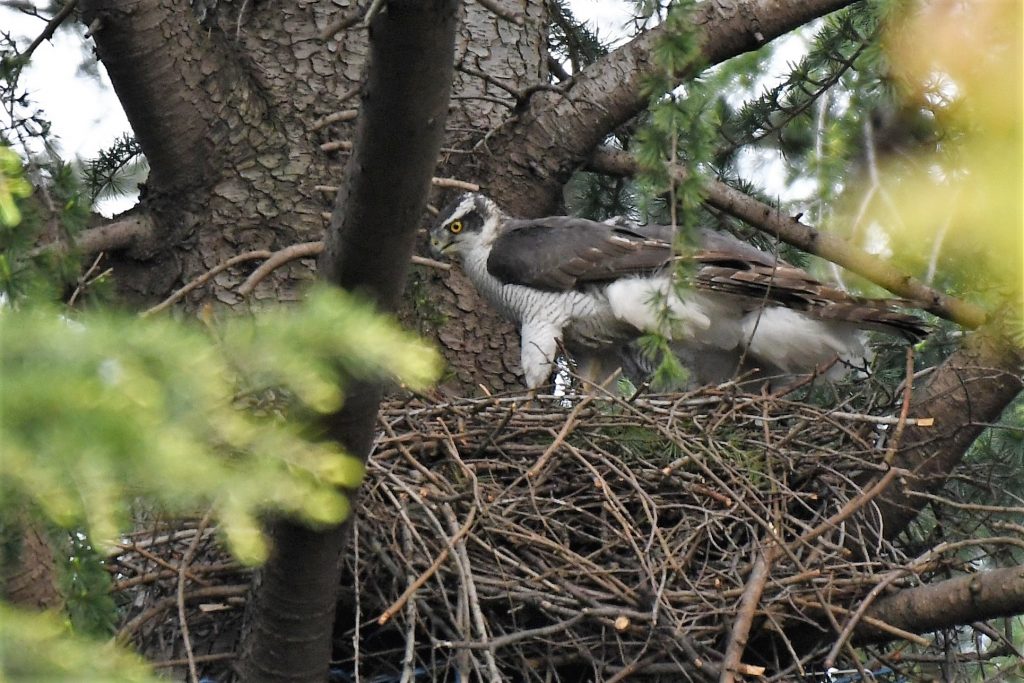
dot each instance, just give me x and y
(438, 245)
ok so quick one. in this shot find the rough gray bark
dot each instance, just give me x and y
(966, 393)
(947, 604)
(405, 104)
(29, 577)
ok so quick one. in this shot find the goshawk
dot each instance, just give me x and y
(592, 287)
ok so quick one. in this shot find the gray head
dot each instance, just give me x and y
(470, 221)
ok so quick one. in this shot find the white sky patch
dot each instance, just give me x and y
(876, 240)
(612, 20)
(86, 115)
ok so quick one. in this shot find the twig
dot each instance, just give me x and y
(161, 606)
(83, 281)
(876, 623)
(973, 507)
(883, 419)
(357, 585)
(186, 559)
(513, 638)
(205, 277)
(397, 605)
(745, 612)
(278, 259)
(851, 507)
(466, 569)
(409, 658)
(375, 7)
(851, 623)
(161, 562)
(51, 28)
(198, 659)
(153, 577)
(455, 184)
(336, 117)
(429, 263)
(341, 24)
(633, 667)
(335, 145)
(307, 250)
(495, 8)
(570, 423)
(883, 483)
(908, 388)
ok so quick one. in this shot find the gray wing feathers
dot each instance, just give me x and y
(563, 253)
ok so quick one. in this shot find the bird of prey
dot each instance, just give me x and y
(591, 287)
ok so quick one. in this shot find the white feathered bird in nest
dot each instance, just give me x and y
(591, 288)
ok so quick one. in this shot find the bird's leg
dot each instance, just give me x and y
(538, 350)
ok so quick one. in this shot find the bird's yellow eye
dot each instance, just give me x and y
(455, 227)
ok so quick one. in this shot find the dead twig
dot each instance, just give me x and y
(201, 280)
(278, 259)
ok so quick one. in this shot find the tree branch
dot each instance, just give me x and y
(173, 77)
(954, 602)
(367, 249)
(51, 28)
(826, 245)
(117, 236)
(563, 130)
(968, 392)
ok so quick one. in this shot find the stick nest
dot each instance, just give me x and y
(510, 538)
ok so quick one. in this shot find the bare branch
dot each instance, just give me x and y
(828, 246)
(278, 259)
(731, 664)
(496, 8)
(115, 236)
(954, 602)
(336, 117)
(51, 28)
(336, 145)
(205, 277)
(455, 184)
(342, 23)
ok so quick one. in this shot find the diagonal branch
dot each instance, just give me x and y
(965, 394)
(954, 602)
(826, 245)
(538, 150)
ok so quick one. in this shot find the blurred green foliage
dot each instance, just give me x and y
(12, 186)
(102, 408)
(39, 647)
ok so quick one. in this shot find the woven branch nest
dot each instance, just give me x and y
(550, 539)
